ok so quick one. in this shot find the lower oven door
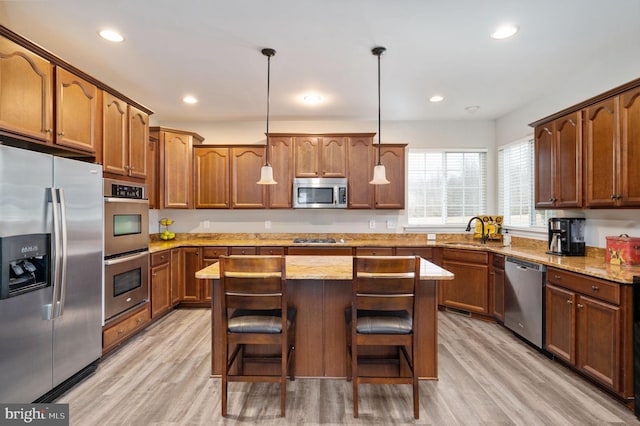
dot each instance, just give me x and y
(126, 283)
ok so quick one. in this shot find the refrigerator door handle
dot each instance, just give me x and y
(64, 240)
(49, 311)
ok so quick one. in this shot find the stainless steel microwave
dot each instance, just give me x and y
(320, 193)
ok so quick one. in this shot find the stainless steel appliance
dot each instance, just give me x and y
(126, 246)
(51, 273)
(320, 193)
(566, 236)
(524, 299)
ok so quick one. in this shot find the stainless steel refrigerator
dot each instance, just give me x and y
(51, 242)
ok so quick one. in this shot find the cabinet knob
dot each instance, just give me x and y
(557, 277)
(580, 306)
(120, 332)
(48, 131)
(139, 320)
(60, 133)
(569, 302)
(126, 167)
(154, 274)
(595, 288)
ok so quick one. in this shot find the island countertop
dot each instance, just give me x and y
(329, 268)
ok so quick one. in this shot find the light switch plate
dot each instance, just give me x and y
(431, 237)
(372, 224)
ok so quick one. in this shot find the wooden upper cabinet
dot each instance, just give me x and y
(360, 156)
(138, 138)
(630, 148)
(320, 156)
(212, 177)
(391, 196)
(153, 174)
(281, 159)
(558, 151)
(26, 92)
(76, 111)
(114, 135)
(333, 157)
(246, 163)
(306, 156)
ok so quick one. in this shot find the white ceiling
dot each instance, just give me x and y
(211, 49)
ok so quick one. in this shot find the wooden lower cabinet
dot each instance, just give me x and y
(160, 283)
(177, 276)
(121, 328)
(424, 252)
(496, 284)
(589, 326)
(191, 263)
(469, 290)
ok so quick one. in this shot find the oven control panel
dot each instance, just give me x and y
(122, 189)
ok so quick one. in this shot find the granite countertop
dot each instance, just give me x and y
(329, 268)
(593, 264)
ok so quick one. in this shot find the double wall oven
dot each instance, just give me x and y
(126, 246)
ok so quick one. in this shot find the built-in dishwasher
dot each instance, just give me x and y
(524, 299)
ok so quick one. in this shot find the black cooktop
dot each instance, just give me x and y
(314, 241)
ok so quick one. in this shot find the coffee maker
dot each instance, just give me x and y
(566, 236)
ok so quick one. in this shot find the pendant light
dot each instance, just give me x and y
(379, 173)
(266, 172)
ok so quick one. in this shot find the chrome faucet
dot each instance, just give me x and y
(483, 238)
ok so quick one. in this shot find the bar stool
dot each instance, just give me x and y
(382, 314)
(253, 295)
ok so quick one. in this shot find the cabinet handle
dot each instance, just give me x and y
(580, 306)
(60, 133)
(48, 131)
(595, 288)
(557, 277)
(120, 332)
(139, 320)
(154, 274)
(569, 302)
(126, 167)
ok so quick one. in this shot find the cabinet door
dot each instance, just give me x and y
(391, 196)
(630, 148)
(191, 264)
(211, 178)
(177, 276)
(544, 176)
(281, 159)
(176, 169)
(76, 106)
(114, 136)
(360, 172)
(306, 157)
(246, 163)
(26, 92)
(598, 341)
(469, 290)
(153, 175)
(498, 293)
(568, 162)
(560, 323)
(601, 145)
(138, 136)
(160, 289)
(333, 157)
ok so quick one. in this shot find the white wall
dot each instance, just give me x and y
(417, 134)
(611, 70)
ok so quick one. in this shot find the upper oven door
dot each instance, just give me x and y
(126, 225)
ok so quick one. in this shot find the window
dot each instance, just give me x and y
(516, 185)
(446, 187)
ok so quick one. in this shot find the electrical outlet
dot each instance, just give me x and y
(372, 224)
(267, 224)
(431, 237)
(391, 224)
(206, 224)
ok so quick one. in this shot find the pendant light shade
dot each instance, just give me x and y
(266, 172)
(379, 172)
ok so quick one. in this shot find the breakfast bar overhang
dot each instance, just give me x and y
(320, 288)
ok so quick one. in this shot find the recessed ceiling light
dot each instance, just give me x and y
(111, 35)
(471, 109)
(504, 31)
(436, 98)
(190, 99)
(312, 99)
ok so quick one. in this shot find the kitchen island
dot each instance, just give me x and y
(320, 288)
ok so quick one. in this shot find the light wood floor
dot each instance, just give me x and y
(487, 376)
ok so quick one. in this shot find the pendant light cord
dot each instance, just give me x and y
(379, 119)
(268, 53)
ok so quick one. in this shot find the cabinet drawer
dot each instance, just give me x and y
(586, 285)
(273, 251)
(423, 252)
(374, 251)
(498, 261)
(214, 252)
(319, 251)
(160, 257)
(244, 250)
(468, 256)
(113, 334)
